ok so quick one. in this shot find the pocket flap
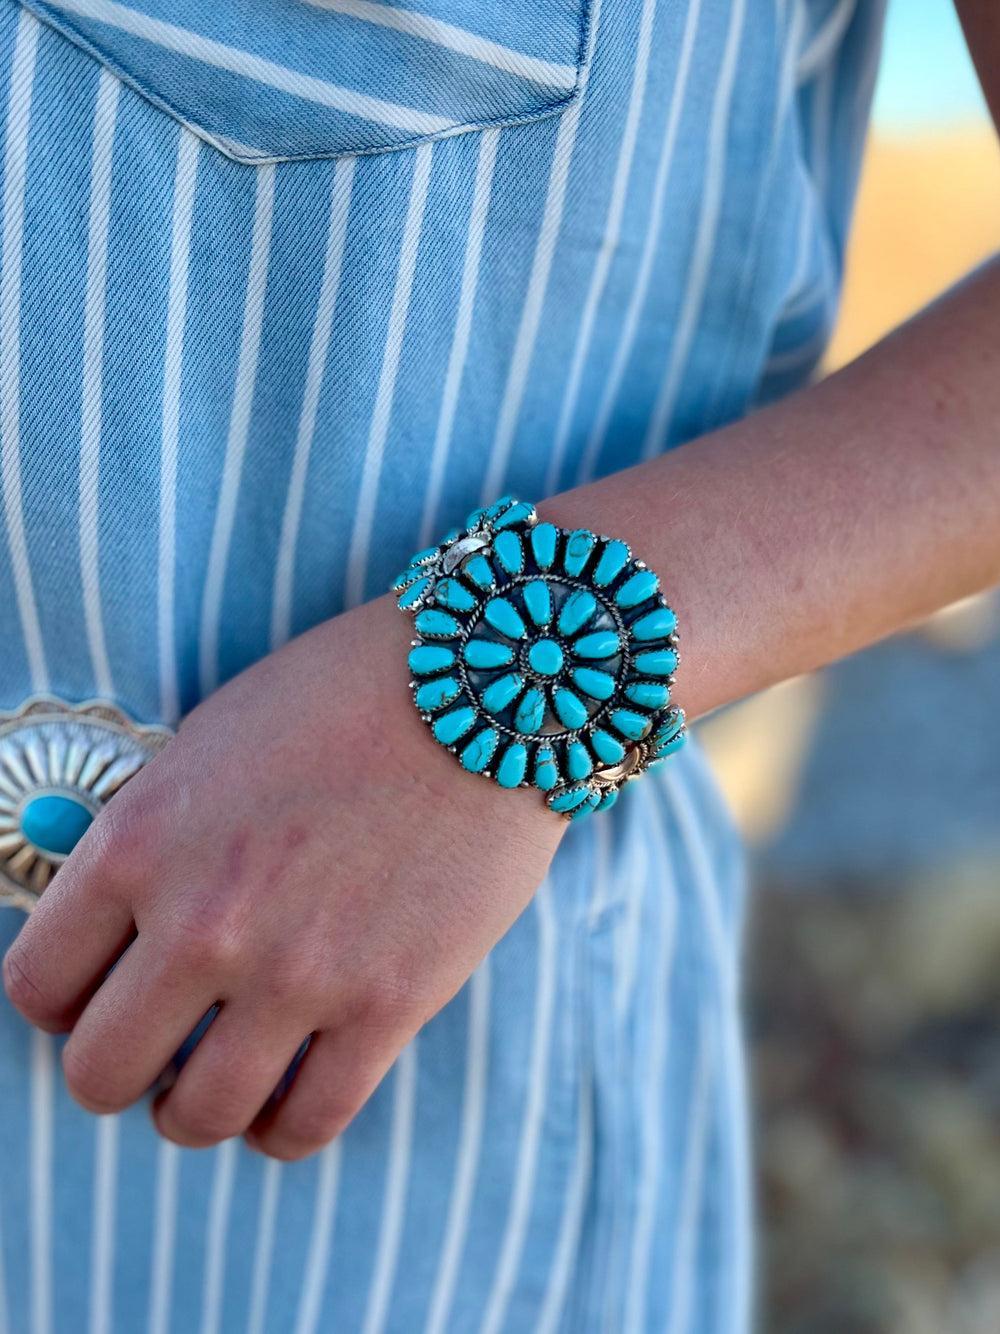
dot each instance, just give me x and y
(267, 80)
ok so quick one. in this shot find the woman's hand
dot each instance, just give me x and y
(305, 856)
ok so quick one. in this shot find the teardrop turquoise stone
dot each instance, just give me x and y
(497, 696)
(614, 558)
(585, 807)
(608, 749)
(655, 624)
(546, 657)
(668, 729)
(437, 624)
(511, 768)
(55, 823)
(516, 514)
(601, 644)
(662, 663)
(498, 506)
(543, 544)
(530, 712)
(450, 593)
(436, 694)
(641, 586)
(503, 616)
(509, 552)
(598, 685)
(478, 569)
(427, 658)
(576, 611)
(569, 799)
(570, 708)
(538, 601)
(632, 725)
(414, 593)
(485, 653)
(579, 545)
(450, 726)
(578, 761)
(478, 753)
(546, 772)
(650, 694)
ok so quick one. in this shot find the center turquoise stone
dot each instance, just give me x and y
(545, 657)
(55, 823)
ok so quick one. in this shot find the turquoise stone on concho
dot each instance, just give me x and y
(55, 823)
(544, 656)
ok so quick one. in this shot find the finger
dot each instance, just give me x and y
(338, 1074)
(134, 1024)
(228, 1077)
(79, 928)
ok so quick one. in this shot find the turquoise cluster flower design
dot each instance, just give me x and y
(544, 656)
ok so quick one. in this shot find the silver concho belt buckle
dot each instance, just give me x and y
(60, 763)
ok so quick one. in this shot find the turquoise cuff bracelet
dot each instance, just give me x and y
(543, 656)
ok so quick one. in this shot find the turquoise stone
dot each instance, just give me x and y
(480, 571)
(412, 571)
(436, 624)
(578, 761)
(485, 653)
(503, 616)
(428, 658)
(502, 692)
(608, 749)
(475, 519)
(667, 750)
(546, 657)
(450, 593)
(570, 709)
(414, 593)
(650, 694)
(660, 663)
(601, 644)
(655, 624)
(579, 545)
(608, 799)
(512, 766)
(422, 557)
(576, 611)
(598, 685)
(498, 506)
(669, 728)
(436, 694)
(55, 822)
(546, 772)
(478, 753)
(450, 726)
(614, 558)
(585, 807)
(509, 552)
(543, 544)
(530, 712)
(569, 799)
(641, 586)
(632, 725)
(516, 514)
(538, 601)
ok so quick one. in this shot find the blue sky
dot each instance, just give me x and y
(926, 76)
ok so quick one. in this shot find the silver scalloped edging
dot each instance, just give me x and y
(544, 657)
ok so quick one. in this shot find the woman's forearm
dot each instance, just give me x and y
(845, 513)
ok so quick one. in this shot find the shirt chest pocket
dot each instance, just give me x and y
(273, 80)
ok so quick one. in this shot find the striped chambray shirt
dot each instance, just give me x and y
(286, 287)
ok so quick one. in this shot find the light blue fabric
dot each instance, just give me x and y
(519, 246)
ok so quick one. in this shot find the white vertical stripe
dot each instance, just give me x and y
(603, 886)
(824, 42)
(630, 325)
(239, 429)
(396, 1187)
(357, 560)
(218, 1233)
(164, 1231)
(460, 338)
(538, 281)
(102, 1253)
(651, 1130)
(263, 1255)
(22, 78)
(105, 114)
(43, 1059)
(469, 1145)
(536, 1095)
(704, 245)
(180, 244)
(550, 1314)
(630, 933)
(318, 1258)
(284, 568)
(609, 244)
(689, 1213)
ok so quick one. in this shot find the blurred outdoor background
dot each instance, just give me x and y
(871, 797)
